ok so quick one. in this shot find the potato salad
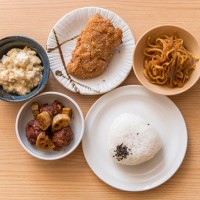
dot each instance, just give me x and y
(20, 71)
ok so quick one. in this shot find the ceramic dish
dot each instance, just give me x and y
(25, 115)
(62, 41)
(7, 44)
(157, 110)
(138, 59)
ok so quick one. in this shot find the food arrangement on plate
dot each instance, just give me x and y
(87, 53)
(132, 140)
(24, 68)
(51, 127)
(94, 48)
(166, 60)
(140, 138)
(20, 71)
(90, 51)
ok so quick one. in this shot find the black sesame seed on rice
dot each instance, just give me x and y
(121, 152)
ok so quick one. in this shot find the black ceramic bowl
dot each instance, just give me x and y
(10, 42)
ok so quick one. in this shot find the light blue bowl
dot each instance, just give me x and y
(10, 42)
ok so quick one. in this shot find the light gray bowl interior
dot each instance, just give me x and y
(77, 125)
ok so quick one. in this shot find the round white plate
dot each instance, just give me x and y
(160, 112)
(62, 41)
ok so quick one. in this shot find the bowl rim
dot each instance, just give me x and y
(163, 92)
(73, 147)
(47, 68)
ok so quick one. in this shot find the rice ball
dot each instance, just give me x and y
(132, 140)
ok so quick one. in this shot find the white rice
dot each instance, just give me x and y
(129, 133)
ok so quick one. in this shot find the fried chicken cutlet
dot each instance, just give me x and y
(94, 48)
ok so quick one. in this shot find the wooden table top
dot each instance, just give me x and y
(25, 177)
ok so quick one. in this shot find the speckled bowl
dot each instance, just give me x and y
(10, 42)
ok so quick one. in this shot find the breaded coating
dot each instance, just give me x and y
(94, 48)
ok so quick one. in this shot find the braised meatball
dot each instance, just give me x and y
(47, 108)
(53, 109)
(62, 138)
(57, 107)
(32, 131)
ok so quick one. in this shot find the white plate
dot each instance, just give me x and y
(157, 110)
(62, 36)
